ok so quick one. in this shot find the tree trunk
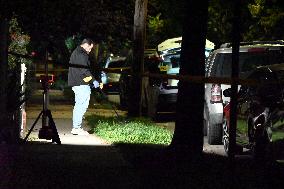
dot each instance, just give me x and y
(139, 32)
(3, 79)
(188, 135)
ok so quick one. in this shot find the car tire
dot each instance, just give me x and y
(261, 148)
(259, 140)
(214, 134)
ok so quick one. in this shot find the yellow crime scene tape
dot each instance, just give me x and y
(188, 78)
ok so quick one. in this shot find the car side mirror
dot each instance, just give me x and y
(227, 92)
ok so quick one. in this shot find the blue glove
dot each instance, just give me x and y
(95, 84)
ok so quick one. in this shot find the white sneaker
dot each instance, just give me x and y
(79, 131)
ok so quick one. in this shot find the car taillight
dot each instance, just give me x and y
(216, 93)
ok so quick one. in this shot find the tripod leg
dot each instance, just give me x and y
(55, 136)
(27, 136)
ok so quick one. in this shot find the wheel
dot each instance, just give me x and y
(226, 136)
(214, 134)
(260, 138)
(261, 148)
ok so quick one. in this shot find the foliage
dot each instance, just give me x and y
(260, 20)
(72, 42)
(267, 20)
(14, 93)
(111, 23)
(219, 21)
(103, 21)
(155, 29)
(164, 21)
(120, 130)
(59, 84)
(18, 44)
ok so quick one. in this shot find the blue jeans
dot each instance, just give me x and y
(82, 98)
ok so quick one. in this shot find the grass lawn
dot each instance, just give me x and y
(134, 131)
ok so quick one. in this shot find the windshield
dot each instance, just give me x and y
(173, 61)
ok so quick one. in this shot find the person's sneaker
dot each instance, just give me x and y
(79, 131)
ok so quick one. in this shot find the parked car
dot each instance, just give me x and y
(218, 64)
(170, 51)
(168, 88)
(151, 85)
(110, 80)
(162, 95)
(260, 112)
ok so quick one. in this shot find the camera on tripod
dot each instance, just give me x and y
(48, 130)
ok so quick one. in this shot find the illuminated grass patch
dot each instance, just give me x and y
(123, 130)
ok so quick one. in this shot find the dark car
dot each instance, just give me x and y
(151, 85)
(260, 110)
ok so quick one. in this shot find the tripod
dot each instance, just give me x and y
(48, 130)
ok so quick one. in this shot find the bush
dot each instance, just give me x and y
(59, 84)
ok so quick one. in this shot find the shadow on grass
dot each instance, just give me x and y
(160, 168)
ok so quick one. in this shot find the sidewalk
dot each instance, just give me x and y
(62, 116)
(64, 126)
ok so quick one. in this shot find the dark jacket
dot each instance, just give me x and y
(79, 67)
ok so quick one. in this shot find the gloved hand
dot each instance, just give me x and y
(95, 84)
(87, 79)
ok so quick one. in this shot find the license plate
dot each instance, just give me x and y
(164, 68)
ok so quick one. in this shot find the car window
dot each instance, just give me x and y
(171, 60)
(248, 61)
(175, 61)
(217, 65)
(116, 64)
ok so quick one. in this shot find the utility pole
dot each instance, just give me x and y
(139, 33)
